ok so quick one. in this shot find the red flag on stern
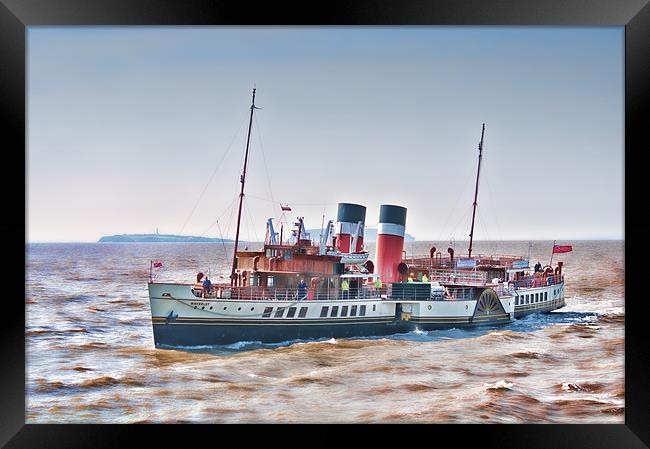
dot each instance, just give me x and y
(285, 208)
(562, 249)
(157, 264)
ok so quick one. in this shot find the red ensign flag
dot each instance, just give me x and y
(157, 264)
(562, 249)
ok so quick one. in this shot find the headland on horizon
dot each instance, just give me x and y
(162, 238)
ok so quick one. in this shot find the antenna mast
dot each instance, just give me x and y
(478, 173)
(242, 179)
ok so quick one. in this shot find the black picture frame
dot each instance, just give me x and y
(16, 15)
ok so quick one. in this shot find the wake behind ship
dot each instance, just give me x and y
(301, 289)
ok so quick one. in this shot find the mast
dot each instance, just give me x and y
(478, 173)
(550, 264)
(241, 194)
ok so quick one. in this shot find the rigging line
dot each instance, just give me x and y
(228, 207)
(483, 224)
(248, 228)
(454, 228)
(464, 218)
(312, 204)
(322, 226)
(249, 219)
(212, 176)
(232, 212)
(457, 202)
(266, 170)
(225, 250)
(494, 213)
(248, 195)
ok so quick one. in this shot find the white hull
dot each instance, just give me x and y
(180, 318)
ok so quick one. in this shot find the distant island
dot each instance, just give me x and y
(161, 238)
(369, 235)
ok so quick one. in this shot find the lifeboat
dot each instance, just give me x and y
(356, 258)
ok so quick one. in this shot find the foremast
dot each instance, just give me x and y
(478, 174)
(241, 194)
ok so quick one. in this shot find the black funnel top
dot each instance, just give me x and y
(392, 214)
(351, 213)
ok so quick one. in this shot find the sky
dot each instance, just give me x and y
(133, 129)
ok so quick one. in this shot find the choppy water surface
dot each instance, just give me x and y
(90, 353)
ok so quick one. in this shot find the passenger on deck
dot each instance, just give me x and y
(345, 289)
(302, 290)
(197, 289)
(410, 279)
(425, 278)
(207, 287)
(378, 284)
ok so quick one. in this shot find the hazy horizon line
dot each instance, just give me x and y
(581, 239)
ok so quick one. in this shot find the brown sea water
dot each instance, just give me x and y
(90, 355)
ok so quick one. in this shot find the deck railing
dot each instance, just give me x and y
(362, 293)
(439, 261)
(458, 277)
(259, 293)
(449, 293)
(532, 281)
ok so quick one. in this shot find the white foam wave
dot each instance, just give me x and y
(499, 385)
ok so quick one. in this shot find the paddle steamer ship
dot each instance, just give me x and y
(342, 293)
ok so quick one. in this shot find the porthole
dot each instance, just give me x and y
(239, 308)
(203, 308)
(224, 308)
(210, 307)
(252, 308)
(429, 307)
(465, 307)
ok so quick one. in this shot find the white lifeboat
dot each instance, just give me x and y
(358, 258)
